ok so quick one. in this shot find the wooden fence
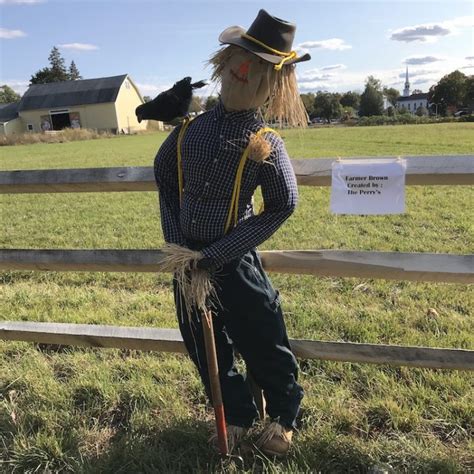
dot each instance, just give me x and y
(421, 170)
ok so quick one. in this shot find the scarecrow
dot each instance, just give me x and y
(207, 171)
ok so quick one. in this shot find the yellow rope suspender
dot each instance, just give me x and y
(233, 215)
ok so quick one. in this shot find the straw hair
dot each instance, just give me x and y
(259, 148)
(284, 105)
(196, 285)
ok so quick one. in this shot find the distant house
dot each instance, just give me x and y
(411, 102)
(104, 104)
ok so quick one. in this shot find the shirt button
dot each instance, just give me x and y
(206, 183)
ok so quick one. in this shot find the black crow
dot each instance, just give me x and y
(169, 104)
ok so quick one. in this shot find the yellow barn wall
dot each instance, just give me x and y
(128, 99)
(12, 127)
(94, 116)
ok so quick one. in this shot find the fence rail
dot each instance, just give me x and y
(334, 263)
(169, 340)
(421, 170)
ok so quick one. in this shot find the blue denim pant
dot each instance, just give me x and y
(248, 318)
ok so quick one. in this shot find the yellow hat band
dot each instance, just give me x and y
(285, 56)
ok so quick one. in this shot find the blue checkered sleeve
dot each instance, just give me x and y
(280, 195)
(166, 176)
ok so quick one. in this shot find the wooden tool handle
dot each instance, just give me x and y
(214, 382)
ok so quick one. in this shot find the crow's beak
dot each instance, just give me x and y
(138, 113)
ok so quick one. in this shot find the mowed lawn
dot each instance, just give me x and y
(85, 410)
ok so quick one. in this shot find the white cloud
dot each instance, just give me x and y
(333, 67)
(427, 33)
(17, 85)
(431, 32)
(335, 44)
(461, 22)
(152, 89)
(314, 86)
(11, 34)
(414, 60)
(315, 78)
(20, 2)
(417, 72)
(79, 46)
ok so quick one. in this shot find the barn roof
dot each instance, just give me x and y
(68, 93)
(8, 111)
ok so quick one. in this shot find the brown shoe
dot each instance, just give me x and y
(235, 434)
(275, 440)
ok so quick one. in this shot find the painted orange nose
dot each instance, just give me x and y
(244, 68)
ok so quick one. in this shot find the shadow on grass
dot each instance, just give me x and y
(179, 448)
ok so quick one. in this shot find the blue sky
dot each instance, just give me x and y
(159, 42)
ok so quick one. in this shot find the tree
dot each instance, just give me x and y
(350, 99)
(43, 76)
(371, 100)
(348, 113)
(308, 101)
(469, 97)
(57, 70)
(392, 95)
(8, 95)
(58, 67)
(73, 73)
(421, 111)
(327, 105)
(449, 91)
(211, 102)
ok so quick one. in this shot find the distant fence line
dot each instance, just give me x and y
(432, 170)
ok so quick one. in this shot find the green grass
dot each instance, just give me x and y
(84, 410)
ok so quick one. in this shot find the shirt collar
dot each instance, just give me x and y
(240, 115)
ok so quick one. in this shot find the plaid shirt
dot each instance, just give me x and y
(211, 151)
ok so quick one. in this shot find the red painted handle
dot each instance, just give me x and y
(214, 383)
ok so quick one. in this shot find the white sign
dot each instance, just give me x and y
(368, 186)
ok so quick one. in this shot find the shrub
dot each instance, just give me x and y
(66, 135)
(402, 119)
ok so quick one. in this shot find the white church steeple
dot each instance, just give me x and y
(406, 91)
